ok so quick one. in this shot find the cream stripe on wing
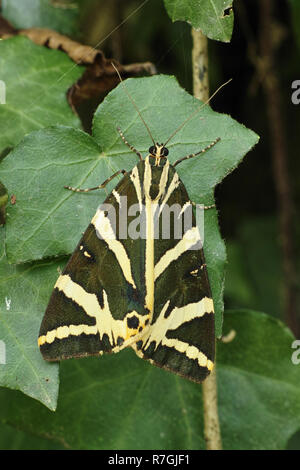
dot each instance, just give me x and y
(90, 303)
(149, 252)
(178, 316)
(163, 179)
(172, 186)
(105, 323)
(184, 207)
(147, 177)
(190, 351)
(116, 195)
(151, 207)
(189, 239)
(105, 231)
(134, 176)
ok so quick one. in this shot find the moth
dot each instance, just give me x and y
(152, 292)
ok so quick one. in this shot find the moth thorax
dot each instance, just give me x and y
(155, 178)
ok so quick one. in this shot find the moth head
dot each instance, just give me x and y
(158, 151)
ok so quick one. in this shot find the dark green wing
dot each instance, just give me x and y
(97, 304)
(181, 336)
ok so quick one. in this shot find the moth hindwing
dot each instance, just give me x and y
(137, 281)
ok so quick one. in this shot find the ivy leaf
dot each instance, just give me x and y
(213, 17)
(259, 397)
(48, 220)
(13, 439)
(258, 383)
(36, 81)
(61, 15)
(24, 292)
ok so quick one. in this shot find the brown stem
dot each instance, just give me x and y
(212, 433)
(200, 66)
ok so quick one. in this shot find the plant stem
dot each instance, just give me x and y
(212, 434)
(200, 66)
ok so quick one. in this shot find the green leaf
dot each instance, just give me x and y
(48, 220)
(238, 292)
(246, 286)
(121, 402)
(114, 400)
(13, 439)
(258, 383)
(294, 442)
(61, 15)
(37, 170)
(213, 17)
(36, 80)
(24, 292)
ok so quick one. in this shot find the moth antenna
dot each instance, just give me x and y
(195, 112)
(133, 102)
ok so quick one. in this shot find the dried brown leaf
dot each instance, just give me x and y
(79, 53)
(99, 77)
(6, 28)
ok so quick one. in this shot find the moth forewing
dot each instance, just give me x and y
(181, 335)
(97, 303)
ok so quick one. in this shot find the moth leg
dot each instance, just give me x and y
(197, 153)
(128, 145)
(204, 207)
(101, 186)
